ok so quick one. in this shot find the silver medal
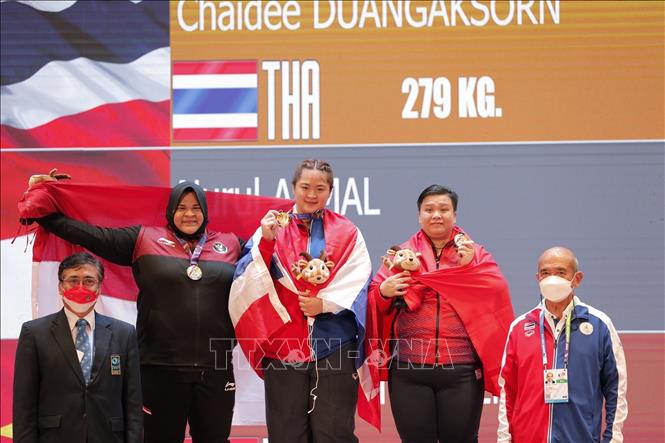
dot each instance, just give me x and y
(194, 272)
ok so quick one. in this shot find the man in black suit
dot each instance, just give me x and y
(76, 377)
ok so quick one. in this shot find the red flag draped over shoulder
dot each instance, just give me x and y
(477, 291)
(117, 206)
(120, 206)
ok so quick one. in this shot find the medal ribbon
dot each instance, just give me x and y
(311, 216)
(317, 238)
(194, 256)
(542, 337)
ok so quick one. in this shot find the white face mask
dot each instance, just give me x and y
(555, 288)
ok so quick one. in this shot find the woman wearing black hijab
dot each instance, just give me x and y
(184, 272)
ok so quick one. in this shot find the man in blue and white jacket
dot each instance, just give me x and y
(562, 360)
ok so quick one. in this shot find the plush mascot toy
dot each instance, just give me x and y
(401, 260)
(313, 270)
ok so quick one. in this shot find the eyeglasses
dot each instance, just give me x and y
(88, 282)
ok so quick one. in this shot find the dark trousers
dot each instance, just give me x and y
(171, 398)
(433, 404)
(288, 400)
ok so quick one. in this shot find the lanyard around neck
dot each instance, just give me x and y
(194, 255)
(542, 337)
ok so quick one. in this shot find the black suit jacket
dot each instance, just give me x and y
(51, 400)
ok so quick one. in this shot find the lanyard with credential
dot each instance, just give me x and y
(542, 338)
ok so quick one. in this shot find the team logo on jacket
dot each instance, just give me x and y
(166, 241)
(586, 328)
(220, 248)
(529, 328)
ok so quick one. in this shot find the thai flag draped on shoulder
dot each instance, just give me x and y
(264, 304)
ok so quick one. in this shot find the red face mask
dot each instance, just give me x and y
(80, 294)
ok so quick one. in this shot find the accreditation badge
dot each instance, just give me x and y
(556, 385)
(115, 365)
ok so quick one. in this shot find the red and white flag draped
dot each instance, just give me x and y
(120, 206)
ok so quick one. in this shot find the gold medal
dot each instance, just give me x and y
(283, 219)
(194, 272)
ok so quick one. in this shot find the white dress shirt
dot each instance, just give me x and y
(561, 323)
(90, 329)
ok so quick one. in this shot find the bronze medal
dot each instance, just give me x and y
(459, 238)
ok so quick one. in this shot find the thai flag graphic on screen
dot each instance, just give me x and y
(215, 100)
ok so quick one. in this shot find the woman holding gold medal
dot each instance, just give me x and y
(184, 272)
(298, 304)
(441, 322)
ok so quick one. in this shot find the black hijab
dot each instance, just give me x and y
(176, 194)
